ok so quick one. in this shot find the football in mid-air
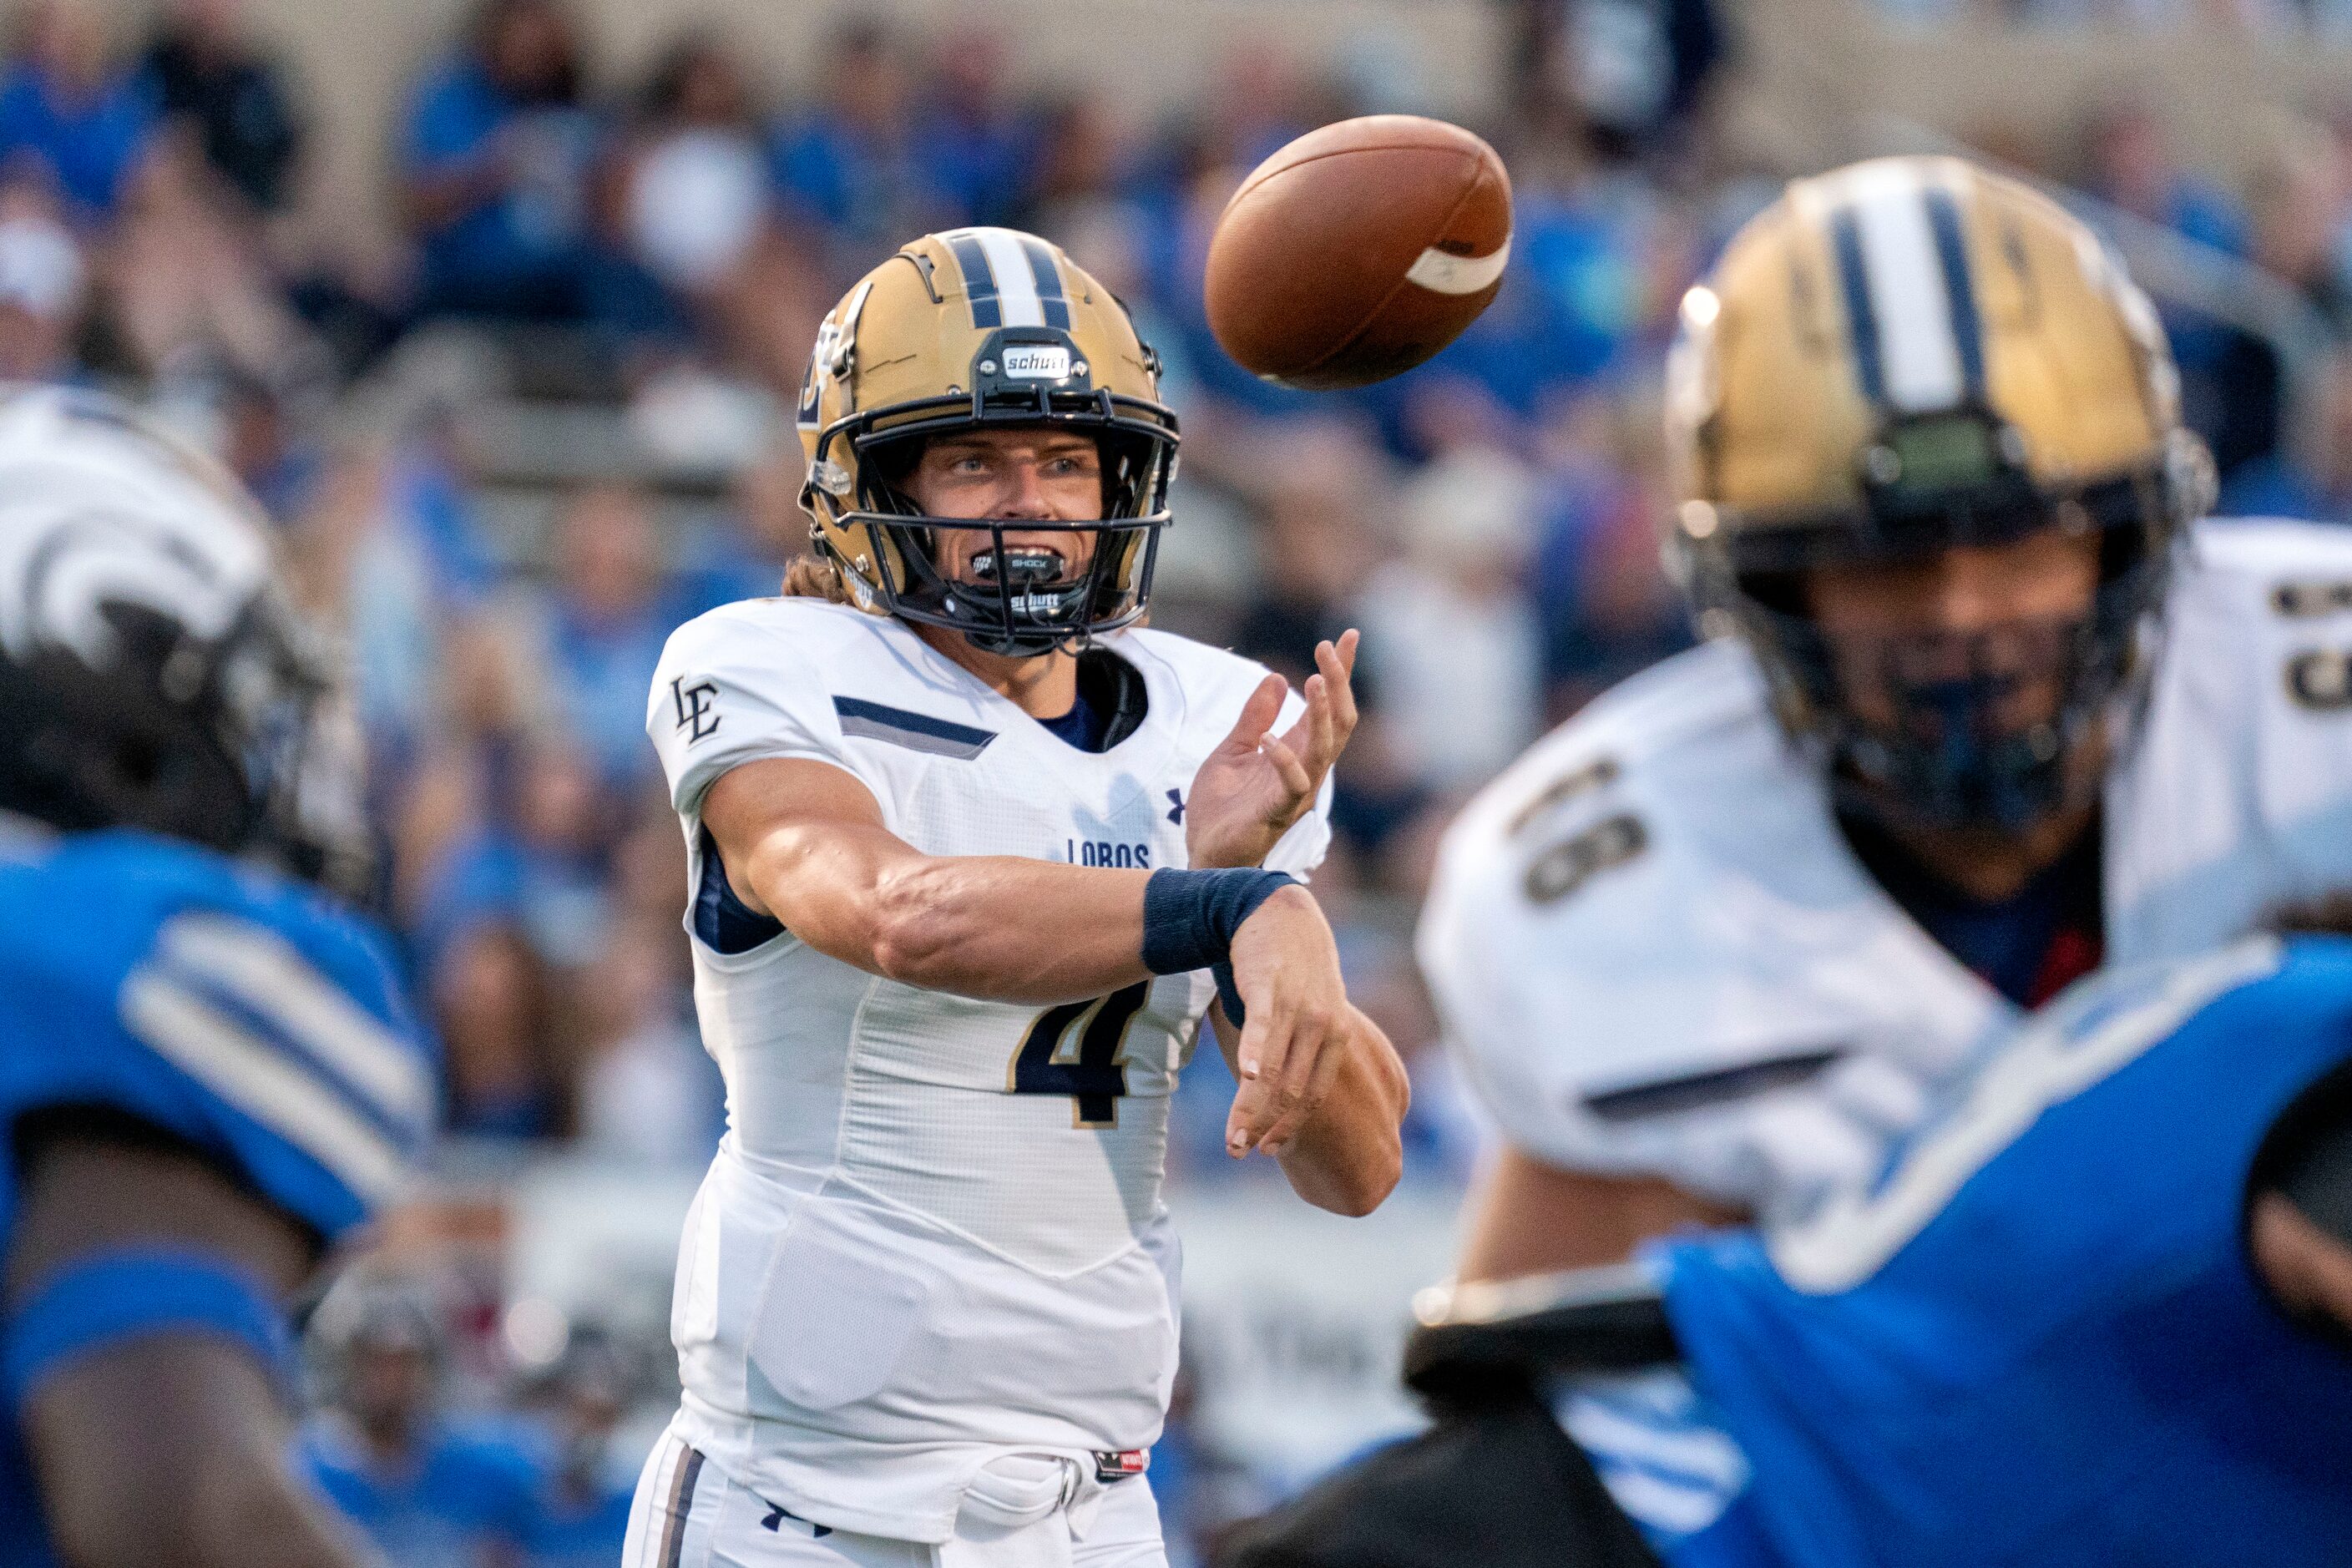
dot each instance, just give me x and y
(1359, 250)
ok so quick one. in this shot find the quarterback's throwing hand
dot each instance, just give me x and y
(1287, 968)
(1256, 784)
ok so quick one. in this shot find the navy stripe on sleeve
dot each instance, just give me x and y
(1701, 1090)
(916, 731)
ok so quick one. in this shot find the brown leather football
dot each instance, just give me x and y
(1359, 250)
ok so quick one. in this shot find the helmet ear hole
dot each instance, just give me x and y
(2121, 551)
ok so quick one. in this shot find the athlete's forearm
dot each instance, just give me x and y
(169, 1453)
(1528, 1217)
(1010, 930)
(806, 842)
(995, 927)
(1349, 1155)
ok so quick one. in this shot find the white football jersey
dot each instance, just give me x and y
(933, 1233)
(1657, 956)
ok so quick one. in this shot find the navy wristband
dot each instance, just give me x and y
(1229, 993)
(98, 1302)
(1190, 917)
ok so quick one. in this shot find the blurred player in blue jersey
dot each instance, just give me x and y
(2097, 1315)
(428, 1492)
(580, 1517)
(207, 1073)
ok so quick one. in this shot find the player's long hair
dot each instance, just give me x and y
(814, 578)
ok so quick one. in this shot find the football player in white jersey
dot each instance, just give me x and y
(1984, 704)
(975, 854)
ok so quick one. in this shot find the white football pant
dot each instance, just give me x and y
(1025, 1510)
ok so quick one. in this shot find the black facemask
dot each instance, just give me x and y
(1955, 753)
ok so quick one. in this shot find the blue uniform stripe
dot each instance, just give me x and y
(1960, 285)
(1862, 322)
(979, 280)
(1050, 295)
(271, 1032)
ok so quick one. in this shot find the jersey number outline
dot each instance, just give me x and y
(1080, 1048)
(2320, 679)
(1576, 860)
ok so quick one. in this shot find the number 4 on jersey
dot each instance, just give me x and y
(1075, 1049)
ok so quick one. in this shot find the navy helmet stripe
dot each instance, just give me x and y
(1959, 286)
(979, 279)
(1049, 283)
(1861, 322)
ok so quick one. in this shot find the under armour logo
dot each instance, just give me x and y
(1176, 807)
(778, 1514)
(693, 704)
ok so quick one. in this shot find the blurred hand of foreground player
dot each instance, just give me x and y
(1256, 784)
(1322, 1088)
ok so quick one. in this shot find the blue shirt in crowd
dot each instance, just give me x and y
(566, 1529)
(465, 1487)
(531, 229)
(87, 145)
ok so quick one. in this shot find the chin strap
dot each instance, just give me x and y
(1021, 645)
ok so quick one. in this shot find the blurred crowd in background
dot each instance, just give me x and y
(508, 456)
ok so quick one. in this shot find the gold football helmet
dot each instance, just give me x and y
(979, 328)
(1900, 357)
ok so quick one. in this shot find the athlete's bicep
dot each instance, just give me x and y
(95, 1180)
(144, 1352)
(762, 814)
(804, 842)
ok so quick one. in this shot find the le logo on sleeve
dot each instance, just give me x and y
(693, 704)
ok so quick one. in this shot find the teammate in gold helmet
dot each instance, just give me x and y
(1972, 371)
(974, 855)
(1983, 705)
